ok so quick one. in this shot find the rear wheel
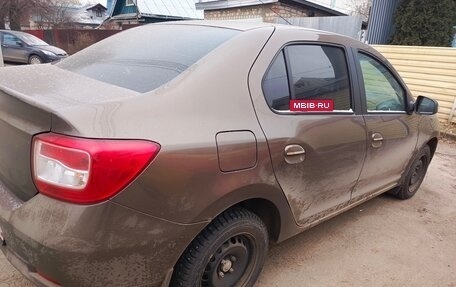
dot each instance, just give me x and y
(35, 59)
(415, 175)
(230, 251)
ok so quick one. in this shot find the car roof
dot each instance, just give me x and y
(245, 26)
(310, 34)
(239, 25)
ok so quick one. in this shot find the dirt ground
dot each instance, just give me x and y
(384, 242)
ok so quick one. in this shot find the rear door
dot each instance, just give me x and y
(392, 132)
(317, 157)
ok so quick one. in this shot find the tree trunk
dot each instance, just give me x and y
(15, 17)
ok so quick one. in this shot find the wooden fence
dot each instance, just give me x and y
(427, 71)
(72, 40)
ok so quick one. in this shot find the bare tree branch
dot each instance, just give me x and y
(361, 7)
(49, 13)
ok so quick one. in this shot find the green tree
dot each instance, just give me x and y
(424, 23)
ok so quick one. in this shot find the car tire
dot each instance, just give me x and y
(415, 175)
(35, 59)
(230, 251)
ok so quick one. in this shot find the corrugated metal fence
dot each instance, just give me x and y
(427, 71)
(381, 21)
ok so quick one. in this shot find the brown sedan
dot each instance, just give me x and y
(172, 154)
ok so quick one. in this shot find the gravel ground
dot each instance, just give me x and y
(384, 242)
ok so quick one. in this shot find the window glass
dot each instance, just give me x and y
(320, 72)
(275, 85)
(10, 40)
(383, 92)
(144, 58)
(32, 40)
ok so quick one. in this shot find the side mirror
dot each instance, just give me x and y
(20, 44)
(426, 106)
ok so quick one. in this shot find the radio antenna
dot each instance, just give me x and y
(288, 22)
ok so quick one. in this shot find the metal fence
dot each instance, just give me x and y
(427, 71)
(72, 40)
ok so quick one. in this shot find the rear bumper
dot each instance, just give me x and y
(99, 245)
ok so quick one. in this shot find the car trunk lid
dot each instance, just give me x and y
(31, 99)
(19, 121)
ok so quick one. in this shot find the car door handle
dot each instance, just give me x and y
(294, 153)
(377, 140)
(376, 137)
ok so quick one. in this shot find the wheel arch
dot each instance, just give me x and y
(266, 201)
(33, 53)
(432, 143)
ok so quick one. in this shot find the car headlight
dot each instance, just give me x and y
(49, 53)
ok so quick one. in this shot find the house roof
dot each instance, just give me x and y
(184, 9)
(82, 15)
(93, 6)
(225, 4)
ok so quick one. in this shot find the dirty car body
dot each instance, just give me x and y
(121, 166)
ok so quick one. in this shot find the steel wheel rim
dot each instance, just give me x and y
(232, 264)
(35, 61)
(418, 172)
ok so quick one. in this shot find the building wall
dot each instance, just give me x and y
(122, 8)
(427, 71)
(267, 12)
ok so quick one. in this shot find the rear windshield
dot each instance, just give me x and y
(144, 58)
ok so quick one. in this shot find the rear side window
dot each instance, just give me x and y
(142, 59)
(310, 72)
(320, 72)
(275, 85)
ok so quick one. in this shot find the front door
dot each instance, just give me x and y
(392, 133)
(12, 50)
(317, 157)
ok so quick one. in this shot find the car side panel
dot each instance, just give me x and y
(334, 145)
(184, 183)
(385, 165)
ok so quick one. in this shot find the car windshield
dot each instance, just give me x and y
(144, 58)
(32, 40)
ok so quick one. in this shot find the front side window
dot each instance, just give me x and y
(10, 40)
(383, 92)
(311, 72)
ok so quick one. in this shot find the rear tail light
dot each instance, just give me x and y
(87, 171)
